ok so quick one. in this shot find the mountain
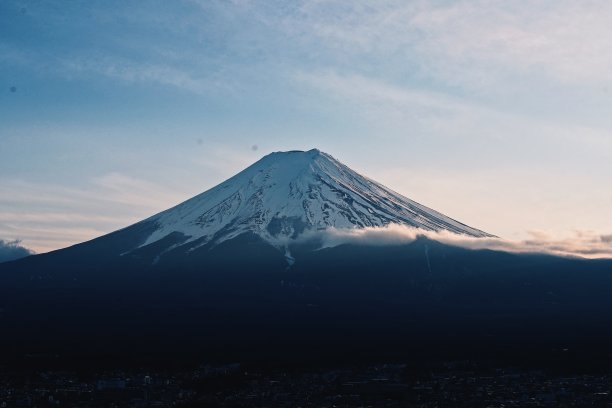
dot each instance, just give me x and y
(284, 195)
(226, 276)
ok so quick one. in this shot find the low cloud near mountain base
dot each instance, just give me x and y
(582, 244)
(11, 250)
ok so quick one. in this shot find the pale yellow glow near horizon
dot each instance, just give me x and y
(511, 205)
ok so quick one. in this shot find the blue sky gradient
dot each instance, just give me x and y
(495, 113)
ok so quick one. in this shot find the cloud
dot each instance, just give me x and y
(371, 93)
(196, 46)
(11, 250)
(477, 42)
(583, 244)
(425, 112)
(566, 40)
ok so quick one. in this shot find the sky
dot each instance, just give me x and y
(495, 113)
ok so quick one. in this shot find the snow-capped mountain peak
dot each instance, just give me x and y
(286, 193)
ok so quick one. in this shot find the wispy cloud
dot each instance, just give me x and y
(48, 217)
(477, 41)
(567, 40)
(482, 44)
(443, 116)
(142, 72)
(584, 244)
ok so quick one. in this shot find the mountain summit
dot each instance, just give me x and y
(286, 193)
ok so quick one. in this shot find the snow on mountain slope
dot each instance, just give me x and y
(287, 193)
